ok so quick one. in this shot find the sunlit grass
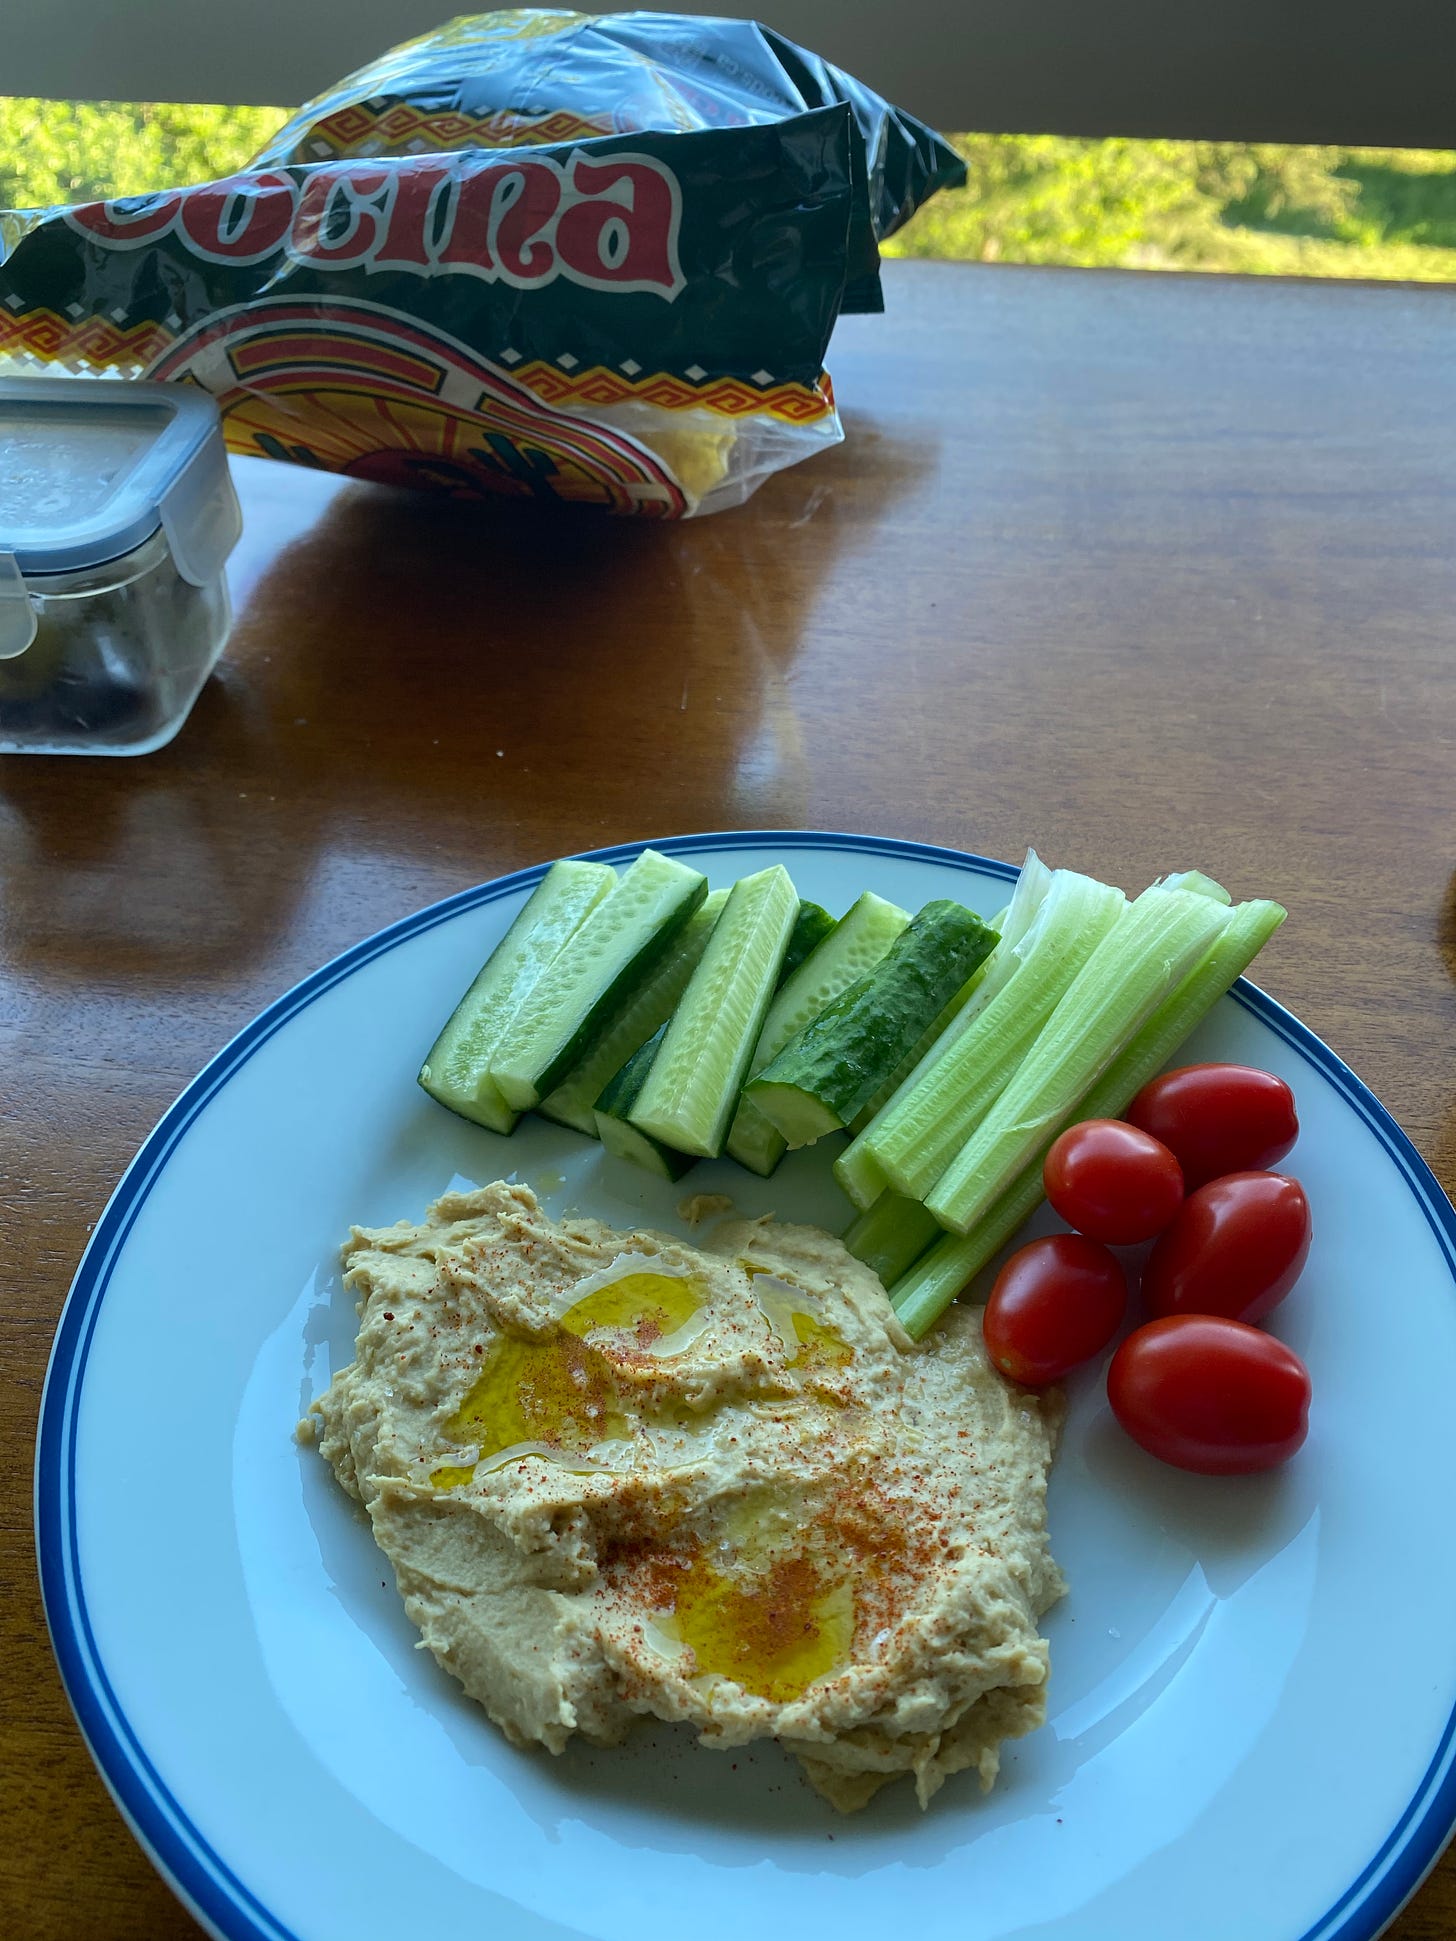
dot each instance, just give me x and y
(1256, 208)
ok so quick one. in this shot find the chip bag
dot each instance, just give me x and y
(582, 259)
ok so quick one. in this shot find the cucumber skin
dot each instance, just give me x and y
(864, 936)
(811, 926)
(522, 1094)
(840, 1059)
(626, 1141)
(657, 1117)
(638, 1148)
(569, 1104)
(487, 1107)
(917, 1051)
(753, 1139)
(619, 1094)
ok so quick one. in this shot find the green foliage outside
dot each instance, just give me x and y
(85, 151)
(1033, 198)
(1253, 207)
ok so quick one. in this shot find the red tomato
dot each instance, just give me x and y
(1218, 1119)
(1236, 1248)
(1055, 1303)
(1112, 1182)
(1210, 1395)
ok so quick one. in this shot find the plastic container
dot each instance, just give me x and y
(117, 515)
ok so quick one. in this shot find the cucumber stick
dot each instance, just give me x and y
(613, 1128)
(617, 947)
(645, 1011)
(855, 1168)
(923, 1294)
(619, 1095)
(856, 1171)
(922, 1045)
(915, 1140)
(811, 926)
(692, 1089)
(1151, 947)
(855, 945)
(835, 1065)
(455, 1070)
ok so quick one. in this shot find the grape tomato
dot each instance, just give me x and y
(1235, 1248)
(1218, 1119)
(1208, 1394)
(1056, 1302)
(1112, 1182)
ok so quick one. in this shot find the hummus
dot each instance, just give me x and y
(620, 1475)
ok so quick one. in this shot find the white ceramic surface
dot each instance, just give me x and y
(1253, 1683)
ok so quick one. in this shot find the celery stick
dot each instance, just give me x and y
(919, 1137)
(924, 1294)
(1197, 883)
(651, 1005)
(859, 1176)
(1145, 955)
(855, 1169)
(891, 1236)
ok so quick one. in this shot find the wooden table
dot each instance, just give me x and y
(1145, 570)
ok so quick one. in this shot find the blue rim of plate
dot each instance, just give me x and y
(196, 1873)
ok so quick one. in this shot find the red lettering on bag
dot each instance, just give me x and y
(127, 224)
(422, 210)
(342, 215)
(610, 223)
(524, 200)
(620, 232)
(240, 220)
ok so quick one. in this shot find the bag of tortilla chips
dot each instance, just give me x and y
(590, 259)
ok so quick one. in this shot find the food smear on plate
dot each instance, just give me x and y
(621, 1475)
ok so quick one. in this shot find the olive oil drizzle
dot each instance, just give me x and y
(557, 1395)
(773, 1632)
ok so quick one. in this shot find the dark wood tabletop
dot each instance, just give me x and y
(1144, 570)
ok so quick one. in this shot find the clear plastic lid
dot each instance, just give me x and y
(90, 468)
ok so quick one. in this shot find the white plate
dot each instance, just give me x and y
(1253, 1680)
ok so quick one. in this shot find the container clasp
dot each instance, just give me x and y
(17, 613)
